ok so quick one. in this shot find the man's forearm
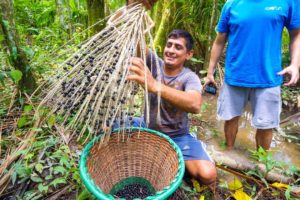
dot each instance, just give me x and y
(189, 101)
(295, 47)
(216, 52)
(293, 69)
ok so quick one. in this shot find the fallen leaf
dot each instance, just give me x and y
(240, 195)
(280, 185)
(235, 184)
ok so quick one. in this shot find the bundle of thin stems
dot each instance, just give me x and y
(91, 91)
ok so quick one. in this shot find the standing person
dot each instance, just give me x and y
(180, 91)
(253, 69)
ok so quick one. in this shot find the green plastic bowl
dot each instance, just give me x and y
(132, 155)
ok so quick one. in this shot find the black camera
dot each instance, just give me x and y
(210, 88)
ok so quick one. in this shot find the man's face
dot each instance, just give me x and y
(176, 53)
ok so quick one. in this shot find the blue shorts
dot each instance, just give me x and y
(190, 146)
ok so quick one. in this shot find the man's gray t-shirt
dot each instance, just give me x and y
(174, 122)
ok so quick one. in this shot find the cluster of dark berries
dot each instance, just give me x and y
(93, 90)
(132, 191)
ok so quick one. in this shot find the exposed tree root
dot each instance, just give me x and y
(242, 164)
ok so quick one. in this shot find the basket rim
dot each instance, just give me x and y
(163, 194)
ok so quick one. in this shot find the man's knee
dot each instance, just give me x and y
(207, 175)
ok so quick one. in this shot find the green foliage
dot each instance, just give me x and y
(85, 194)
(25, 119)
(49, 164)
(289, 96)
(6, 24)
(51, 120)
(215, 132)
(2, 38)
(3, 75)
(16, 75)
(257, 173)
(22, 121)
(270, 163)
(39, 167)
(28, 108)
(29, 52)
(115, 4)
(14, 54)
(41, 35)
(266, 158)
(32, 195)
(43, 188)
(222, 144)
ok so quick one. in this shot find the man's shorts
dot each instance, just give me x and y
(190, 146)
(265, 104)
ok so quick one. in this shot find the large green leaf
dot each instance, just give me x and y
(16, 75)
(33, 30)
(59, 170)
(57, 181)
(35, 178)
(42, 188)
(28, 51)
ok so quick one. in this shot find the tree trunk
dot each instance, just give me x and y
(96, 13)
(107, 11)
(234, 161)
(17, 56)
(164, 26)
(70, 25)
(211, 29)
(156, 15)
(60, 13)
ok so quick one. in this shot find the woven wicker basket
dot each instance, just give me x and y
(145, 157)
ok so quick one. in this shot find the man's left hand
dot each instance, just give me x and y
(293, 72)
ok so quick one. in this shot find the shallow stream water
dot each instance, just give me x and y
(281, 148)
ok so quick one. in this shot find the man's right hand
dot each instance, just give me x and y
(293, 72)
(209, 80)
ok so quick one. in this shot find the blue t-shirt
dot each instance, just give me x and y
(254, 28)
(174, 122)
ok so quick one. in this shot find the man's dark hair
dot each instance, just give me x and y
(177, 33)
